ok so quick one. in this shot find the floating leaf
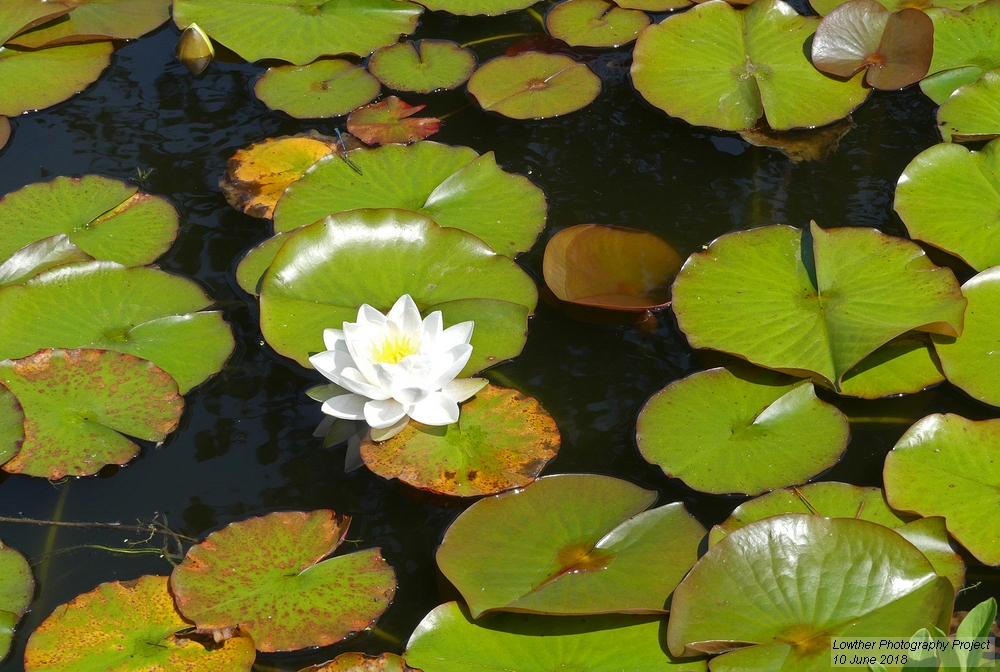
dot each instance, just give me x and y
(594, 23)
(972, 361)
(656, 5)
(327, 88)
(268, 576)
(140, 311)
(34, 80)
(359, 662)
(610, 267)
(818, 301)
(254, 265)
(945, 465)
(424, 66)
(791, 582)
(448, 640)
(824, 7)
(502, 441)
(905, 365)
(740, 430)
(98, 20)
(593, 548)
(930, 535)
(38, 257)
(811, 144)
(966, 45)
(322, 275)
(391, 120)
(16, 584)
(105, 218)
(973, 111)
(11, 428)
(533, 85)
(715, 66)
(4, 131)
(454, 186)
(477, 7)
(75, 403)
(297, 33)
(894, 47)
(19, 15)
(128, 626)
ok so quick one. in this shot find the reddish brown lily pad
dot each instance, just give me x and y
(359, 662)
(75, 404)
(267, 576)
(391, 120)
(4, 131)
(610, 267)
(502, 440)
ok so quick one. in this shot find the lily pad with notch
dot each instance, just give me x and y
(454, 186)
(740, 430)
(594, 23)
(95, 20)
(19, 15)
(503, 440)
(325, 88)
(966, 45)
(391, 121)
(533, 85)
(34, 80)
(423, 66)
(594, 547)
(972, 113)
(16, 588)
(39, 257)
(905, 365)
(268, 576)
(129, 626)
(78, 403)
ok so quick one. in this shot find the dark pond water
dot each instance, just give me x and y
(245, 444)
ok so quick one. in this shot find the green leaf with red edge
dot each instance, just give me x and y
(11, 425)
(19, 15)
(33, 80)
(16, 586)
(391, 120)
(268, 576)
(75, 403)
(503, 440)
(360, 662)
(129, 626)
(594, 547)
(594, 23)
(93, 20)
(533, 85)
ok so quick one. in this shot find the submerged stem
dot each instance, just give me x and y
(495, 38)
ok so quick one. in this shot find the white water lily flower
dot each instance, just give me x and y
(395, 367)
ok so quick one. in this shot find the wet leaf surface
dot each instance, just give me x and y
(610, 267)
(18, 15)
(454, 186)
(286, 30)
(424, 66)
(359, 662)
(503, 440)
(105, 218)
(11, 425)
(391, 120)
(16, 587)
(254, 265)
(78, 403)
(740, 430)
(905, 365)
(38, 257)
(594, 23)
(268, 576)
(966, 45)
(533, 85)
(327, 88)
(593, 548)
(128, 626)
(98, 20)
(477, 7)
(930, 535)
(34, 80)
(972, 113)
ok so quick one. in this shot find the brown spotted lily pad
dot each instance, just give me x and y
(129, 626)
(267, 575)
(16, 588)
(502, 440)
(391, 120)
(78, 403)
(359, 662)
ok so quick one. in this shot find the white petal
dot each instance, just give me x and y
(461, 389)
(389, 432)
(346, 406)
(404, 313)
(412, 371)
(381, 414)
(331, 337)
(456, 334)
(339, 367)
(368, 316)
(459, 356)
(432, 327)
(408, 396)
(435, 409)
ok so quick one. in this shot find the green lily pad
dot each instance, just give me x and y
(327, 88)
(39, 257)
(255, 263)
(654, 5)
(945, 465)
(973, 111)
(299, 32)
(949, 197)
(98, 20)
(105, 218)
(972, 361)
(534, 85)
(448, 640)
(322, 275)
(454, 186)
(128, 626)
(594, 23)
(791, 582)
(16, 588)
(716, 66)
(424, 66)
(817, 301)
(34, 80)
(830, 499)
(593, 548)
(740, 431)
(268, 576)
(11, 427)
(502, 440)
(905, 365)
(19, 15)
(75, 403)
(477, 7)
(391, 120)
(930, 535)
(360, 662)
(966, 45)
(140, 311)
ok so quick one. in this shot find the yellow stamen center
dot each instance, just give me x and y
(393, 349)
